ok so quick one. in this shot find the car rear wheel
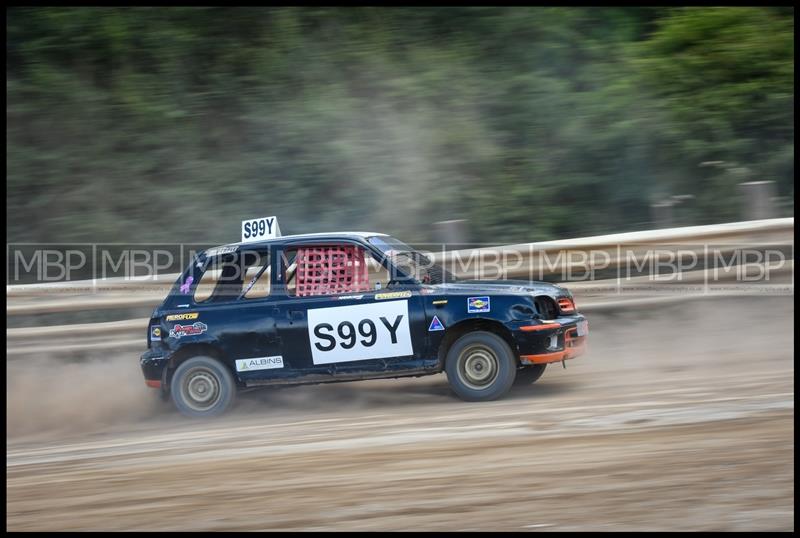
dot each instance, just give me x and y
(480, 366)
(202, 387)
(528, 375)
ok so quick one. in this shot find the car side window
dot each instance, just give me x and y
(230, 276)
(206, 286)
(332, 269)
(289, 270)
(257, 281)
(378, 274)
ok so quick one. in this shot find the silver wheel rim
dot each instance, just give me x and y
(477, 367)
(200, 389)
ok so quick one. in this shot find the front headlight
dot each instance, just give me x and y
(566, 305)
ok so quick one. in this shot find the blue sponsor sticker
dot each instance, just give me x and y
(477, 304)
(436, 325)
(155, 334)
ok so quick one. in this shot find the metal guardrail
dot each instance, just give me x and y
(533, 259)
(591, 295)
(130, 334)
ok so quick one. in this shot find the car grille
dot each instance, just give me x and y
(546, 307)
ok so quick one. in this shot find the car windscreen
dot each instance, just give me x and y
(411, 261)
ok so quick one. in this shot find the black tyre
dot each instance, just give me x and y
(202, 387)
(528, 375)
(480, 366)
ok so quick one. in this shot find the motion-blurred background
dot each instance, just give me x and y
(174, 124)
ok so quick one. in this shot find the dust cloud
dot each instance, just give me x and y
(628, 350)
(46, 395)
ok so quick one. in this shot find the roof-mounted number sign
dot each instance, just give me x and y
(260, 229)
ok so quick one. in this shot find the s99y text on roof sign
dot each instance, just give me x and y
(260, 229)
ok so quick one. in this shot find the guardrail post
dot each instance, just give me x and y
(758, 200)
(661, 214)
(451, 232)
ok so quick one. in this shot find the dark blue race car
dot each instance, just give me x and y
(347, 306)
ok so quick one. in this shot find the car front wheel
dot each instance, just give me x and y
(480, 366)
(202, 387)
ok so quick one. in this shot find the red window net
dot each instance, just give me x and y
(327, 270)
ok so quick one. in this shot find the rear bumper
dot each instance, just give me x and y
(551, 341)
(153, 365)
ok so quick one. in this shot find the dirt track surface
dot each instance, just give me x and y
(677, 419)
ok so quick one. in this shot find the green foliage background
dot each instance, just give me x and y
(174, 124)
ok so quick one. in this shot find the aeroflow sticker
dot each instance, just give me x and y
(183, 317)
(477, 304)
(259, 363)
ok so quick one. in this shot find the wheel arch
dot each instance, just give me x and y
(193, 350)
(454, 332)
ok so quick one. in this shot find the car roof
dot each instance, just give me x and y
(323, 236)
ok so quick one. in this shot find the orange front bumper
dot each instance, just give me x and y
(574, 346)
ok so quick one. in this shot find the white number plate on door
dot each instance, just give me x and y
(359, 332)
